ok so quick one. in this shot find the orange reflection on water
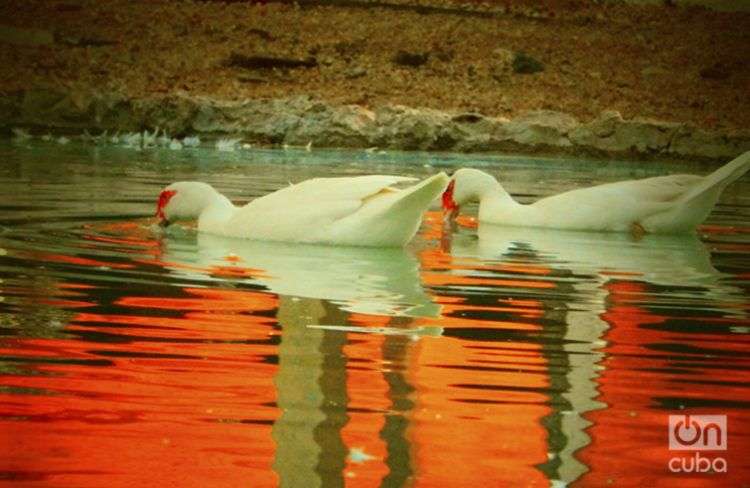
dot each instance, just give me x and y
(229, 386)
(630, 437)
(77, 260)
(180, 398)
(368, 406)
(475, 414)
(491, 427)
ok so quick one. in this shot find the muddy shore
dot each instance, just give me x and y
(558, 77)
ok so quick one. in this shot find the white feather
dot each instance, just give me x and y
(662, 204)
(362, 210)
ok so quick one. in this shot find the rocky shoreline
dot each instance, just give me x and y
(588, 79)
(302, 120)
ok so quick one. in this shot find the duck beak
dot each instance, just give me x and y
(164, 198)
(450, 208)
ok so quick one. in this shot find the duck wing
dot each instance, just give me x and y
(316, 190)
(301, 210)
(656, 189)
(668, 204)
(612, 206)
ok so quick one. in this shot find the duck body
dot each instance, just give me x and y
(663, 204)
(355, 211)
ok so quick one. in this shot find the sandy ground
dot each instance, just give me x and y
(661, 62)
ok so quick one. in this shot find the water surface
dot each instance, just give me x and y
(508, 357)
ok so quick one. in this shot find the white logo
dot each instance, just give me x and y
(698, 432)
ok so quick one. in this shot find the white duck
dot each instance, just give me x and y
(663, 204)
(356, 211)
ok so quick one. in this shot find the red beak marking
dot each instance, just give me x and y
(448, 203)
(164, 198)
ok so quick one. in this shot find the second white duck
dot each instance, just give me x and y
(663, 204)
(354, 211)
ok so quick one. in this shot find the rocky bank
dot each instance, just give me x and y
(563, 77)
(303, 120)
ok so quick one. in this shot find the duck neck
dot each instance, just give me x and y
(494, 200)
(216, 214)
(492, 196)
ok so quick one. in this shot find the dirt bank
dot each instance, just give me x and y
(498, 61)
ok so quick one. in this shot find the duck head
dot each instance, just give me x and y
(467, 185)
(184, 200)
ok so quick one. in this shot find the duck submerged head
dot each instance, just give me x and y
(184, 200)
(466, 185)
(450, 207)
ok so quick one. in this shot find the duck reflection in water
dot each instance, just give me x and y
(320, 290)
(312, 385)
(376, 281)
(667, 260)
(600, 285)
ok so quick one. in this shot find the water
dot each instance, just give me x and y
(504, 357)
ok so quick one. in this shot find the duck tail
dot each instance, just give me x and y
(423, 193)
(721, 178)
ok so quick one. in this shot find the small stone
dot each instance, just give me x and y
(355, 72)
(525, 64)
(413, 60)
